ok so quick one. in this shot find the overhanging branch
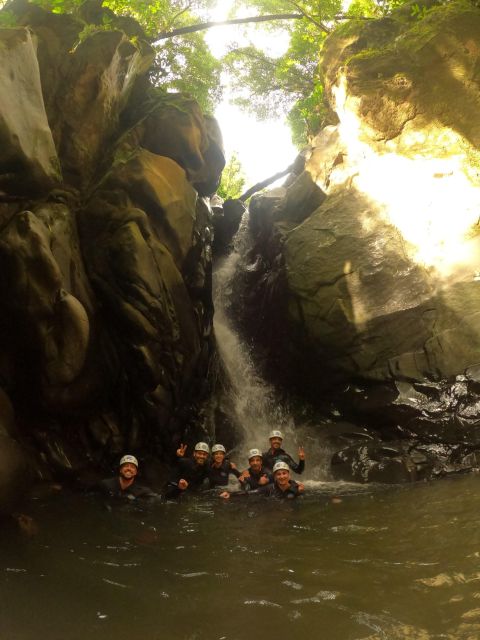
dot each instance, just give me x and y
(264, 183)
(208, 25)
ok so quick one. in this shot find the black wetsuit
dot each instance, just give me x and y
(253, 482)
(218, 476)
(272, 491)
(276, 455)
(112, 489)
(186, 469)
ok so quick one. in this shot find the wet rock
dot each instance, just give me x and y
(56, 35)
(15, 475)
(56, 322)
(341, 433)
(373, 463)
(392, 463)
(226, 222)
(7, 415)
(29, 159)
(472, 375)
(347, 299)
(106, 338)
(145, 299)
(105, 432)
(99, 81)
(302, 197)
(402, 461)
(176, 128)
(325, 162)
(157, 184)
(207, 180)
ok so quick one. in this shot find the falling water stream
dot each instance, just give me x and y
(255, 404)
(345, 562)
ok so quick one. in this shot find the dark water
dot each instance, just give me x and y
(382, 563)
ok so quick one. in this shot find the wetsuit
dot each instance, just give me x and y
(186, 469)
(273, 491)
(218, 476)
(275, 455)
(112, 489)
(253, 482)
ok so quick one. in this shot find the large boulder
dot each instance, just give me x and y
(98, 83)
(159, 183)
(55, 323)
(105, 249)
(174, 126)
(29, 158)
(382, 276)
(378, 285)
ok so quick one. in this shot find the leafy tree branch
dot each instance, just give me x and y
(209, 25)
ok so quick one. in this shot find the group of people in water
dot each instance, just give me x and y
(268, 473)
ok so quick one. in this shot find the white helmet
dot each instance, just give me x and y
(128, 459)
(202, 446)
(275, 434)
(280, 465)
(218, 447)
(254, 452)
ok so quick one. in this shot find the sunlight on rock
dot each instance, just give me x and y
(431, 200)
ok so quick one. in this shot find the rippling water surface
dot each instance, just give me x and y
(380, 563)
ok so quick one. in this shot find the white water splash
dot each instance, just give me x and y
(257, 410)
(256, 405)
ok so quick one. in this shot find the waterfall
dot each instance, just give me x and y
(257, 408)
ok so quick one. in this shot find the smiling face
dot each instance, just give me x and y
(256, 463)
(218, 457)
(275, 443)
(200, 457)
(128, 471)
(282, 478)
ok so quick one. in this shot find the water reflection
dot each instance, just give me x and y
(380, 563)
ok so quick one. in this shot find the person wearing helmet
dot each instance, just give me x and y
(189, 473)
(283, 486)
(276, 453)
(124, 485)
(220, 468)
(256, 475)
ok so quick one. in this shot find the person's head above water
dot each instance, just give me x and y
(255, 459)
(128, 467)
(281, 473)
(218, 453)
(276, 438)
(201, 452)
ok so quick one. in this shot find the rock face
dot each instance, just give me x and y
(24, 131)
(105, 251)
(376, 285)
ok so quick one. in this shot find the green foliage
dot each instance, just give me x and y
(418, 11)
(291, 84)
(90, 29)
(233, 179)
(307, 116)
(182, 64)
(8, 19)
(58, 6)
(186, 65)
(156, 16)
(286, 85)
(365, 9)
